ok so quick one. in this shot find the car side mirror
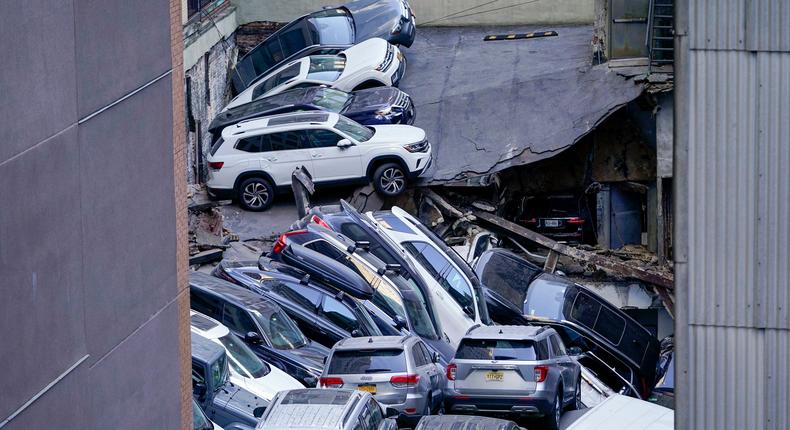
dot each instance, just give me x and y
(391, 412)
(575, 350)
(362, 244)
(258, 412)
(400, 322)
(344, 143)
(253, 338)
(356, 333)
(435, 357)
(199, 390)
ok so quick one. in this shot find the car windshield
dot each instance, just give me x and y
(199, 419)
(243, 359)
(545, 298)
(219, 372)
(332, 27)
(416, 308)
(367, 361)
(281, 330)
(331, 99)
(495, 349)
(326, 68)
(357, 131)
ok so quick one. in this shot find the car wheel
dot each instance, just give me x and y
(255, 194)
(389, 180)
(553, 419)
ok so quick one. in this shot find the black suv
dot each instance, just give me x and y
(328, 32)
(325, 314)
(263, 325)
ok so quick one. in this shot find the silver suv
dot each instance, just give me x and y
(399, 371)
(519, 370)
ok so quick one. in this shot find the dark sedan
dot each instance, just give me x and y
(372, 106)
(328, 31)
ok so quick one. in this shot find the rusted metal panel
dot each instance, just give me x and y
(628, 27)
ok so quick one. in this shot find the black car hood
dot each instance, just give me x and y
(313, 352)
(374, 18)
(371, 99)
(239, 403)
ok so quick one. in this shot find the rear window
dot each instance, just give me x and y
(367, 361)
(495, 349)
(216, 146)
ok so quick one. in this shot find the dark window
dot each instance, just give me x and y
(285, 141)
(279, 78)
(304, 296)
(216, 146)
(610, 325)
(376, 416)
(367, 361)
(448, 276)
(508, 276)
(250, 144)
(194, 6)
(358, 234)
(198, 374)
(417, 357)
(542, 349)
(322, 138)
(206, 69)
(340, 314)
(266, 56)
(556, 347)
(585, 310)
(426, 355)
(493, 349)
(237, 319)
(293, 39)
(205, 304)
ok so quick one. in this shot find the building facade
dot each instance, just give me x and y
(92, 217)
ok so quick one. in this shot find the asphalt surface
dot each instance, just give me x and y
(489, 105)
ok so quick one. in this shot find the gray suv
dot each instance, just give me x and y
(519, 370)
(399, 371)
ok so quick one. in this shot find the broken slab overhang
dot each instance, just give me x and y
(501, 104)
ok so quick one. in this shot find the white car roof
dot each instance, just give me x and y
(285, 121)
(206, 326)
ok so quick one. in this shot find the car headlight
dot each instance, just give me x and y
(417, 147)
(388, 57)
(398, 27)
(384, 112)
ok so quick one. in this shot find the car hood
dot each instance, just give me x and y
(267, 386)
(364, 56)
(312, 354)
(397, 134)
(239, 403)
(372, 99)
(374, 18)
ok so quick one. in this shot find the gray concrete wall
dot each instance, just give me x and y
(88, 319)
(439, 12)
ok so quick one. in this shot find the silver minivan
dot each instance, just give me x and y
(399, 371)
(523, 371)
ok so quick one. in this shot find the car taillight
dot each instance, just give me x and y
(531, 221)
(330, 382)
(451, 369)
(216, 165)
(279, 245)
(540, 373)
(401, 381)
(575, 220)
(315, 219)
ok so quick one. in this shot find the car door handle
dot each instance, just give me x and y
(272, 159)
(317, 155)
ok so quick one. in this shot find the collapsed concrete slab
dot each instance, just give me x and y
(487, 106)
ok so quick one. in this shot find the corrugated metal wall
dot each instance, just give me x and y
(733, 153)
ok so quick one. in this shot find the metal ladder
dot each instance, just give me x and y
(660, 33)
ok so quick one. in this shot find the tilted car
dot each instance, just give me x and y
(226, 404)
(372, 106)
(398, 370)
(253, 159)
(324, 315)
(319, 409)
(328, 31)
(523, 371)
(247, 370)
(372, 63)
(465, 422)
(265, 328)
(396, 301)
(611, 338)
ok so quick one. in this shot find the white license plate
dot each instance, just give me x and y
(551, 223)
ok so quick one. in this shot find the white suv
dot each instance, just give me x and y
(255, 158)
(372, 63)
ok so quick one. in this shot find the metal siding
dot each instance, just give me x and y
(722, 187)
(767, 25)
(777, 380)
(773, 140)
(717, 24)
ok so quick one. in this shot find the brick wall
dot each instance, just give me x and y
(251, 34)
(179, 168)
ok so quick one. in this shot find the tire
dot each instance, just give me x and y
(552, 420)
(255, 194)
(428, 406)
(389, 180)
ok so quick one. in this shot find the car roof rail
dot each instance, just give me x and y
(472, 328)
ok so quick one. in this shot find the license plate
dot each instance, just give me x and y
(552, 222)
(400, 56)
(495, 376)
(367, 388)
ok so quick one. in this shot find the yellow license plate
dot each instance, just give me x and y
(367, 388)
(400, 56)
(495, 376)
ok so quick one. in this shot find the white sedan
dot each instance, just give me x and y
(372, 63)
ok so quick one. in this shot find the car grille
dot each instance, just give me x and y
(402, 101)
